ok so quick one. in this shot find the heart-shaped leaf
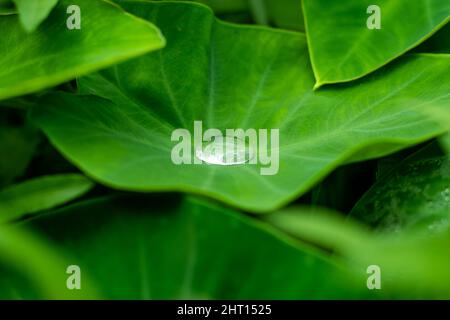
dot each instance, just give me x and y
(230, 76)
(41, 193)
(345, 43)
(55, 53)
(141, 248)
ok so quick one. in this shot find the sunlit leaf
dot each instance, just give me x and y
(54, 54)
(237, 77)
(342, 46)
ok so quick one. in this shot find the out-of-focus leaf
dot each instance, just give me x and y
(41, 193)
(171, 249)
(18, 143)
(343, 48)
(286, 14)
(7, 7)
(414, 195)
(54, 54)
(122, 136)
(445, 141)
(259, 11)
(411, 266)
(33, 12)
(30, 268)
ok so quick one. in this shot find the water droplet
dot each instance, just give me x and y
(226, 151)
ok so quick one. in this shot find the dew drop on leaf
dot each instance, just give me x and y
(225, 151)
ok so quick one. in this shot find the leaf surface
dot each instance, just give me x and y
(54, 54)
(41, 193)
(236, 77)
(343, 48)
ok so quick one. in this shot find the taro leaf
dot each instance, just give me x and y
(41, 193)
(415, 195)
(141, 248)
(401, 258)
(232, 76)
(30, 268)
(343, 48)
(18, 143)
(54, 54)
(33, 12)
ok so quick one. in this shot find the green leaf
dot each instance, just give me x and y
(236, 77)
(259, 11)
(41, 193)
(167, 248)
(445, 142)
(30, 268)
(414, 195)
(33, 12)
(286, 14)
(54, 54)
(18, 143)
(343, 48)
(411, 266)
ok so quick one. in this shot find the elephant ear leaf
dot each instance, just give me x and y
(119, 130)
(32, 13)
(349, 39)
(54, 53)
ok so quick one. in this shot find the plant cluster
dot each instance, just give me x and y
(229, 149)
